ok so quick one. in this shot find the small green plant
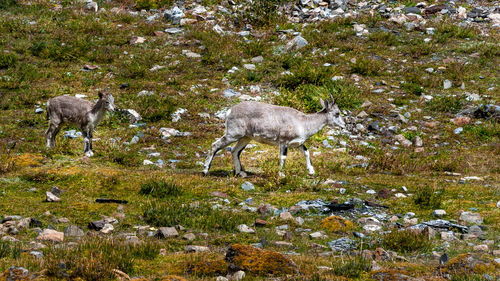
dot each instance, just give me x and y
(404, 241)
(7, 60)
(10, 250)
(160, 189)
(449, 104)
(152, 4)
(413, 88)
(367, 67)
(428, 198)
(91, 259)
(447, 30)
(200, 216)
(261, 13)
(410, 135)
(382, 37)
(4, 4)
(352, 267)
(306, 97)
(304, 73)
(484, 131)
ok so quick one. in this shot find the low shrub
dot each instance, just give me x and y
(7, 60)
(449, 104)
(352, 267)
(10, 250)
(428, 198)
(367, 66)
(405, 242)
(306, 97)
(200, 216)
(160, 189)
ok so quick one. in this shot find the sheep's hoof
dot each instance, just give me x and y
(205, 172)
(242, 174)
(89, 153)
(311, 173)
(281, 174)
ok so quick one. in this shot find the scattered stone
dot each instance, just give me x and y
(51, 197)
(461, 121)
(285, 216)
(472, 218)
(73, 231)
(247, 186)
(190, 54)
(318, 235)
(259, 222)
(39, 110)
(238, 275)
(296, 44)
(458, 130)
(481, 248)
(448, 236)
(439, 213)
(189, 236)
(447, 84)
(137, 40)
(51, 235)
(196, 249)
(258, 59)
(107, 228)
(245, 229)
(166, 232)
(342, 245)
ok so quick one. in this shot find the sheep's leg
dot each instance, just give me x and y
(236, 151)
(91, 136)
(216, 146)
(283, 152)
(310, 167)
(87, 143)
(51, 133)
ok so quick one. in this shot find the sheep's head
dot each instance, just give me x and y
(108, 99)
(333, 113)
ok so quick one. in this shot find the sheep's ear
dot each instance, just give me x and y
(326, 104)
(100, 95)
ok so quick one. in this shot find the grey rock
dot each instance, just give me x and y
(296, 44)
(439, 213)
(50, 197)
(73, 231)
(447, 84)
(343, 244)
(36, 254)
(51, 235)
(229, 93)
(167, 232)
(189, 236)
(458, 130)
(412, 10)
(238, 275)
(17, 273)
(39, 111)
(107, 228)
(470, 217)
(247, 186)
(196, 249)
(245, 229)
(174, 15)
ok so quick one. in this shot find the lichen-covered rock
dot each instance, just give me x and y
(391, 274)
(257, 261)
(336, 224)
(15, 273)
(208, 266)
(467, 264)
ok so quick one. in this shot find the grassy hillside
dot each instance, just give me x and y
(389, 78)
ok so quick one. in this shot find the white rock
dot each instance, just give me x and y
(448, 235)
(249, 66)
(137, 40)
(50, 197)
(145, 93)
(196, 249)
(462, 12)
(400, 195)
(176, 116)
(238, 275)
(286, 216)
(245, 229)
(495, 18)
(372, 227)
(318, 235)
(107, 229)
(447, 84)
(296, 43)
(439, 213)
(51, 235)
(190, 54)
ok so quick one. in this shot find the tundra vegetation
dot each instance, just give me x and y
(418, 96)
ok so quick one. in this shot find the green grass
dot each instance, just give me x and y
(160, 189)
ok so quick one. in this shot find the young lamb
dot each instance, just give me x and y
(79, 112)
(271, 124)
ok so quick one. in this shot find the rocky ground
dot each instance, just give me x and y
(408, 191)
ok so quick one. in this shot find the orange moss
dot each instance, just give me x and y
(26, 160)
(257, 261)
(173, 278)
(390, 275)
(336, 224)
(208, 267)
